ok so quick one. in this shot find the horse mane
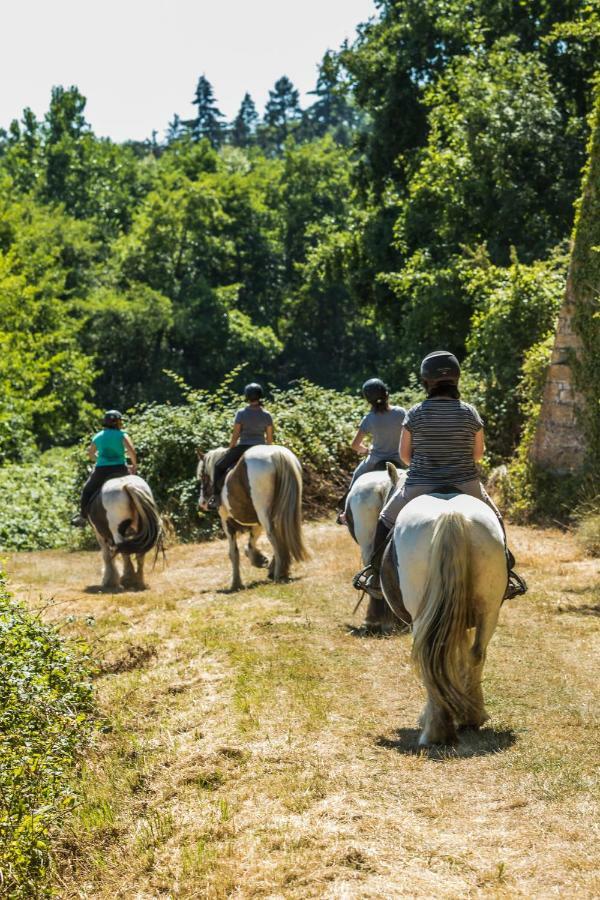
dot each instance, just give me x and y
(208, 462)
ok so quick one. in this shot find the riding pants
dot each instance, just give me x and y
(369, 464)
(226, 463)
(98, 476)
(406, 492)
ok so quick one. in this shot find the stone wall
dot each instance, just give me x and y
(559, 443)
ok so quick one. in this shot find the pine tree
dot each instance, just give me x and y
(244, 124)
(282, 113)
(175, 129)
(332, 111)
(207, 123)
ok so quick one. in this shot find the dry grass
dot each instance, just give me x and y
(255, 747)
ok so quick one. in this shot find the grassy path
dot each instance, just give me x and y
(255, 747)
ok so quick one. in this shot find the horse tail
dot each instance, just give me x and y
(440, 627)
(286, 512)
(150, 532)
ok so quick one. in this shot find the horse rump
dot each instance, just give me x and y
(149, 532)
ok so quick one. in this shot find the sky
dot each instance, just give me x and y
(138, 61)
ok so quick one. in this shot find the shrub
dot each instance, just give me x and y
(587, 530)
(45, 720)
(36, 502)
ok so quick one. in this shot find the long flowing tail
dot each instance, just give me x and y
(149, 532)
(440, 627)
(286, 512)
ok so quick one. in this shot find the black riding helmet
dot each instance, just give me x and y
(375, 389)
(111, 417)
(253, 392)
(440, 366)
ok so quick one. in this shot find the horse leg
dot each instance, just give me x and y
(257, 559)
(484, 630)
(128, 579)
(140, 558)
(234, 556)
(110, 573)
(437, 725)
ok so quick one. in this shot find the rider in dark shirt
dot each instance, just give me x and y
(252, 425)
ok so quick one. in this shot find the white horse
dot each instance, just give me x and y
(366, 498)
(446, 563)
(263, 491)
(126, 521)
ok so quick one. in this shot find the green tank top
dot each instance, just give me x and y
(111, 447)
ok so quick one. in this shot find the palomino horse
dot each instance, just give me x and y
(364, 503)
(262, 491)
(446, 563)
(126, 521)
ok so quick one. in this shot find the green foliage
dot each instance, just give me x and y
(587, 527)
(37, 500)
(585, 293)
(515, 308)
(46, 714)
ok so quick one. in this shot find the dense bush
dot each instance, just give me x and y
(37, 501)
(45, 718)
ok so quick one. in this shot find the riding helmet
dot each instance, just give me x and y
(253, 392)
(375, 389)
(440, 366)
(111, 416)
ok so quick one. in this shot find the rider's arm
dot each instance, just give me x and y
(479, 445)
(92, 452)
(357, 444)
(235, 434)
(269, 434)
(405, 450)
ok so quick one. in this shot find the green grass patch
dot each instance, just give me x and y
(46, 715)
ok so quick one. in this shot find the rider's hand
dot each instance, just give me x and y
(132, 469)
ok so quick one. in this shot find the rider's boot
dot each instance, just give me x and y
(516, 583)
(368, 579)
(214, 502)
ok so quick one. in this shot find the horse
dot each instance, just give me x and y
(263, 491)
(446, 563)
(126, 521)
(364, 502)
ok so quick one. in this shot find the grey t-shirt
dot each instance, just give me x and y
(443, 434)
(384, 428)
(254, 421)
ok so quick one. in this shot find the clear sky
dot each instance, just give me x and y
(138, 61)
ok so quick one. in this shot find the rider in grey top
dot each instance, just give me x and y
(384, 424)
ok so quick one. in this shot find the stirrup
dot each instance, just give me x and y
(515, 587)
(362, 581)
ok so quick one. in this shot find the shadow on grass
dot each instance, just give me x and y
(257, 582)
(471, 742)
(374, 631)
(586, 609)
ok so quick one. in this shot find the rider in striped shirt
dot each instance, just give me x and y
(441, 443)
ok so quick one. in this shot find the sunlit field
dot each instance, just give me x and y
(258, 744)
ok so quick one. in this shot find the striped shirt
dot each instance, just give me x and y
(443, 435)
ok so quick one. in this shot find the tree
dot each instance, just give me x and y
(244, 125)
(282, 114)
(333, 111)
(207, 123)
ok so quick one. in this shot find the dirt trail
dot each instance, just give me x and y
(255, 747)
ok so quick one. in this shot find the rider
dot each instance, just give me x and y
(252, 425)
(442, 440)
(384, 424)
(107, 449)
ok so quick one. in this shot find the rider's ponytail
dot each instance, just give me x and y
(382, 404)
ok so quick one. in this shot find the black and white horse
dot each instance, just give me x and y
(127, 522)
